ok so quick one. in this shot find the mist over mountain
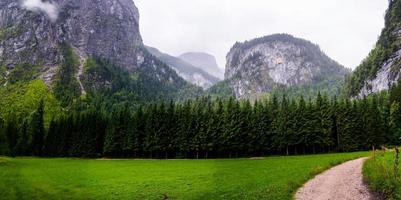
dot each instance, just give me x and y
(186, 70)
(203, 61)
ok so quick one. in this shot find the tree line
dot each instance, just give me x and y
(206, 128)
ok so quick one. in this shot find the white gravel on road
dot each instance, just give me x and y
(343, 182)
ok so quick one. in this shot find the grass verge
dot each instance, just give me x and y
(379, 174)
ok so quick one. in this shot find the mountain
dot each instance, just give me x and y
(186, 70)
(382, 68)
(82, 50)
(203, 61)
(281, 62)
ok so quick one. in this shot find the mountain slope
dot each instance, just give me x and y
(382, 68)
(264, 64)
(187, 71)
(203, 61)
(84, 48)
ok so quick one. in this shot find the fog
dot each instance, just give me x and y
(345, 29)
(50, 9)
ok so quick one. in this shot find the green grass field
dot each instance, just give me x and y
(379, 174)
(269, 178)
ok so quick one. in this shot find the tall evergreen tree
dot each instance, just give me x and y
(23, 140)
(4, 147)
(37, 128)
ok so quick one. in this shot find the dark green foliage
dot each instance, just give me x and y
(11, 133)
(37, 128)
(208, 127)
(23, 142)
(117, 86)
(23, 73)
(221, 90)
(331, 86)
(4, 147)
(118, 133)
(66, 87)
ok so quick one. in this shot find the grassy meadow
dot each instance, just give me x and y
(380, 175)
(260, 178)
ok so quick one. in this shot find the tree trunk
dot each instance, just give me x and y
(374, 152)
(197, 154)
(287, 151)
(338, 141)
(206, 155)
(396, 162)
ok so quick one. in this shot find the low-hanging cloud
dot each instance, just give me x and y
(48, 8)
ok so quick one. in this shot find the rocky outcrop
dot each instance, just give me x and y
(203, 61)
(387, 76)
(382, 68)
(103, 29)
(186, 70)
(259, 65)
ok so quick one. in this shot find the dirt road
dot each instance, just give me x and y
(343, 182)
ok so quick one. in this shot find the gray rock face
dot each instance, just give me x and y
(184, 69)
(382, 68)
(257, 66)
(99, 28)
(385, 78)
(203, 61)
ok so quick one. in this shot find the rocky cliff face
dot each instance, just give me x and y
(186, 70)
(102, 28)
(260, 65)
(35, 33)
(382, 68)
(203, 61)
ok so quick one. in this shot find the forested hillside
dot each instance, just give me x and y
(66, 65)
(381, 69)
(209, 128)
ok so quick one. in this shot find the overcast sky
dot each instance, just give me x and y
(345, 29)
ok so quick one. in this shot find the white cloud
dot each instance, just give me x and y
(49, 8)
(345, 29)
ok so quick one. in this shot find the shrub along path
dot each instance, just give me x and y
(341, 182)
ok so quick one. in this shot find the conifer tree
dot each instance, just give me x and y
(22, 145)
(11, 132)
(4, 147)
(395, 122)
(37, 128)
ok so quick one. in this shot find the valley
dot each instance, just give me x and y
(89, 111)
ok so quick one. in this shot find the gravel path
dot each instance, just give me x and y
(343, 182)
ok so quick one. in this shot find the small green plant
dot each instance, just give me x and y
(382, 175)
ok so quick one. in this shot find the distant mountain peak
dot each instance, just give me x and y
(258, 66)
(204, 61)
(89, 47)
(186, 70)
